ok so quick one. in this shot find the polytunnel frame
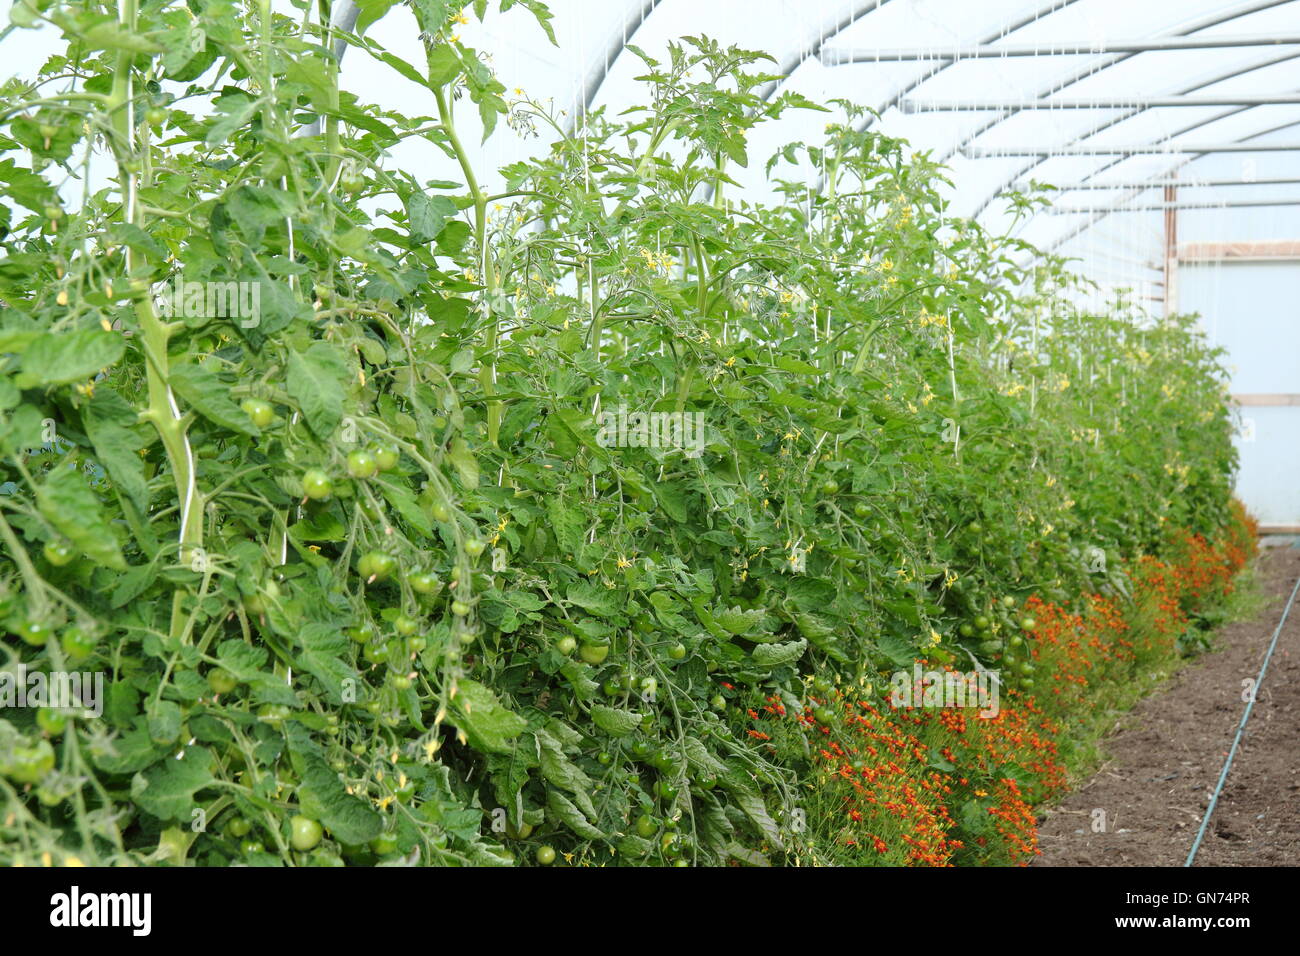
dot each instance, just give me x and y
(637, 13)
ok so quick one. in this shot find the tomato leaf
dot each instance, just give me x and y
(67, 502)
(315, 383)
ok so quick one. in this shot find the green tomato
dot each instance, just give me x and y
(362, 464)
(305, 833)
(566, 645)
(52, 721)
(823, 715)
(59, 552)
(460, 608)
(545, 855)
(422, 582)
(155, 116)
(677, 651)
(594, 653)
(862, 509)
(316, 484)
(405, 626)
(401, 682)
(221, 680)
(1028, 623)
(982, 623)
(666, 789)
(441, 513)
(646, 826)
(966, 630)
(259, 412)
(251, 847)
(386, 457)
(376, 565)
(384, 844)
(718, 702)
(416, 643)
(30, 764)
(521, 832)
(1008, 602)
(77, 644)
(474, 547)
(361, 633)
(238, 828)
(830, 486)
(32, 632)
(975, 528)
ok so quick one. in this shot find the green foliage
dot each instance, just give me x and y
(869, 378)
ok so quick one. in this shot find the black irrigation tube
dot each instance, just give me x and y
(1236, 741)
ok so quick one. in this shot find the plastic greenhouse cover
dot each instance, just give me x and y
(913, 61)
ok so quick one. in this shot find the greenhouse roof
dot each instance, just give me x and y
(1118, 103)
(1111, 100)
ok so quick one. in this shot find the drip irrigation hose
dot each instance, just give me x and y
(1236, 741)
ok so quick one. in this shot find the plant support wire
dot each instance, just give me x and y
(1241, 728)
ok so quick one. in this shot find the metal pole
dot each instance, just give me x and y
(837, 57)
(1143, 103)
(1166, 206)
(1131, 149)
(1158, 183)
(1171, 245)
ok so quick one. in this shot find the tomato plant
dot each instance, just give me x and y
(355, 593)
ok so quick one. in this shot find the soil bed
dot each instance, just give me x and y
(1165, 756)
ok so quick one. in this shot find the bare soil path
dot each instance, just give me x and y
(1165, 756)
